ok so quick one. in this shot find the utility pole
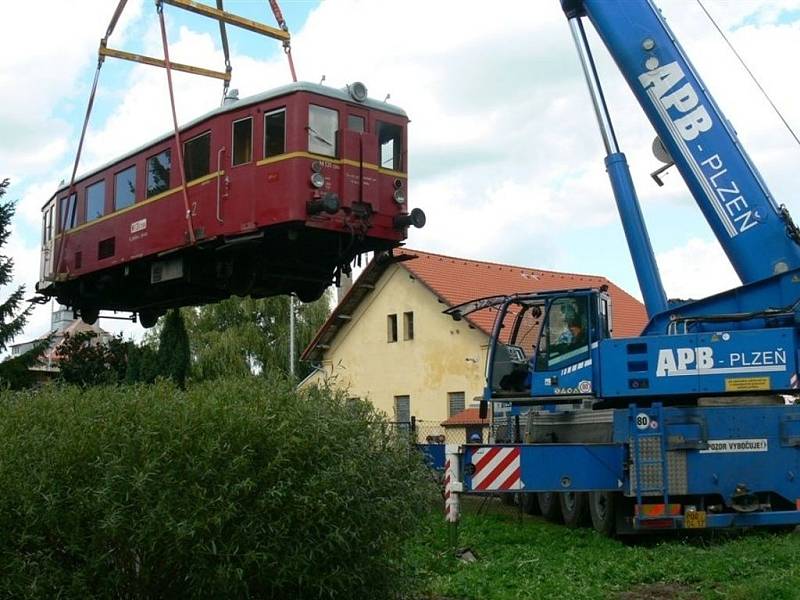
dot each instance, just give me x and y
(291, 335)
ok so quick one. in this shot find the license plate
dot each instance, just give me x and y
(695, 519)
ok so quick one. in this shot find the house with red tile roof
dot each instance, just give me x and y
(388, 340)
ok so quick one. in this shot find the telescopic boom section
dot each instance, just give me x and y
(757, 235)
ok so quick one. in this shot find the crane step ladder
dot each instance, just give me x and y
(651, 470)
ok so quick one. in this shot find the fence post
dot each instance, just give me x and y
(452, 490)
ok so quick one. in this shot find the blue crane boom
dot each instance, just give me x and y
(755, 232)
(684, 426)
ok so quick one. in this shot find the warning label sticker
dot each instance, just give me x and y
(746, 384)
(751, 445)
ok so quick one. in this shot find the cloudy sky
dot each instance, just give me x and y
(505, 157)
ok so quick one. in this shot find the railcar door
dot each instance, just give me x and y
(357, 146)
(573, 327)
(47, 249)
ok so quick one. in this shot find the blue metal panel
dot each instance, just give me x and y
(723, 181)
(705, 364)
(780, 291)
(433, 455)
(561, 467)
(727, 446)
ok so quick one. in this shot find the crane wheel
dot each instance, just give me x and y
(148, 318)
(575, 509)
(603, 509)
(550, 506)
(89, 315)
(530, 503)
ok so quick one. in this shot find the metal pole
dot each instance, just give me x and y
(452, 490)
(593, 81)
(291, 335)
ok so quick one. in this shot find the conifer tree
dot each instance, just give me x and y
(14, 372)
(10, 325)
(173, 348)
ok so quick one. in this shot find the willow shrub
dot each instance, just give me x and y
(230, 489)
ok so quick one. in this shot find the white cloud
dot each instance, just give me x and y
(696, 269)
(504, 148)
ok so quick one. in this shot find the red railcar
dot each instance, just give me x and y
(282, 190)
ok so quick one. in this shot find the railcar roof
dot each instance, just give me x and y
(300, 86)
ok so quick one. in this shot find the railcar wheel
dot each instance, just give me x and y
(148, 318)
(575, 509)
(310, 293)
(550, 506)
(602, 507)
(89, 315)
(530, 503)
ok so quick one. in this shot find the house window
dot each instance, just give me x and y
(125, 188)
(408, 325)
(242, 141)
(455, 403)
(275, 133)
(158, 168)
(402, 409)
(474, 434)
(390, 144)
(197, 157)
(391, 328)
(322, 126)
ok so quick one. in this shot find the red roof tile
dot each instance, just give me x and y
(470, 416)
(458, 280)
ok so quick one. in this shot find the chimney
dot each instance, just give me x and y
(345, 284)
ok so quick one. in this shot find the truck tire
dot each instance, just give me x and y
(530, 503)
(602, 508)
(550, 506)
(575, 509)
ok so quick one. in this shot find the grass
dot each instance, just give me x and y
(531, 558)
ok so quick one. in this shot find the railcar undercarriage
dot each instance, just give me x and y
(273, 261)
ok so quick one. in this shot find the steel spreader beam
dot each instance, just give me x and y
(230, 18)
(157, 62)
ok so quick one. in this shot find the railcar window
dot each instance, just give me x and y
(67, 210)
(158, 168)
(124, 188)
(355, 123)
(197, 157)
(242, 141)
(390, 143)
(274, 133)
(95, 201)
(322, 126)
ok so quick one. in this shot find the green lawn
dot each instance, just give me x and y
(530, 558)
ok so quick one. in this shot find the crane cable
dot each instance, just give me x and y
(61, 222)
(749, 72)
(178, 148)
(223, 34)
(287, 47)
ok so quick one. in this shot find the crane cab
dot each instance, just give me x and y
(544, 346)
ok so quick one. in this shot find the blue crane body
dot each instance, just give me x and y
(688, 424)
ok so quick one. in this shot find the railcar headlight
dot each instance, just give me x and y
(399, 196)
(316, 166)
(398, 183)
(358, 91)
(317, 180)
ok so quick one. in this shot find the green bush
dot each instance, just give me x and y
(230, 489)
